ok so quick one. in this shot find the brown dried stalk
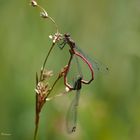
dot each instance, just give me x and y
(43, 13)
(42, 92)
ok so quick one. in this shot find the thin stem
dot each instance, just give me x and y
(56, 26)
(43, 67)
(47, 56)
(51, 19)
(36, 112)
(58, 78)
(36, 125)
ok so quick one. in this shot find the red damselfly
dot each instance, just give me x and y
(93, 65)
(78, 78)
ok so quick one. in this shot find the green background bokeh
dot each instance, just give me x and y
(107, 30)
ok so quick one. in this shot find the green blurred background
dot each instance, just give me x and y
(107, 30)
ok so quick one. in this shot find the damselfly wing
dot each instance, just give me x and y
(71, 120)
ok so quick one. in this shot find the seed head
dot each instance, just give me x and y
(56, 37)
(47, 74)
(33, 3)
(42, 89)
(44, 14)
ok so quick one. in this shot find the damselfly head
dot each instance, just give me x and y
(67, 35)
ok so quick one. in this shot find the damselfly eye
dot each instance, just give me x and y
(67, 35)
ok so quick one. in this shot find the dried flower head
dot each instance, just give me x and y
(56, 37)
(42, 89)
(33, 3)
(44, 14)
(47, 74)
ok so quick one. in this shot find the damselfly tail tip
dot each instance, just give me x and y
(107, 68)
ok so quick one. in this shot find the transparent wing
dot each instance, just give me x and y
(71, 119)
(96, 65)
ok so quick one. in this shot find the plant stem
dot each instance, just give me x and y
(43, 67)
(36, 125)
(58, 78)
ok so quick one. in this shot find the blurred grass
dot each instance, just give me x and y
(106, 30)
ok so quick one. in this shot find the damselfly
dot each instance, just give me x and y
(75, 51)
(78, 78)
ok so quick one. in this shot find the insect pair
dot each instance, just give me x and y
(76, 85)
